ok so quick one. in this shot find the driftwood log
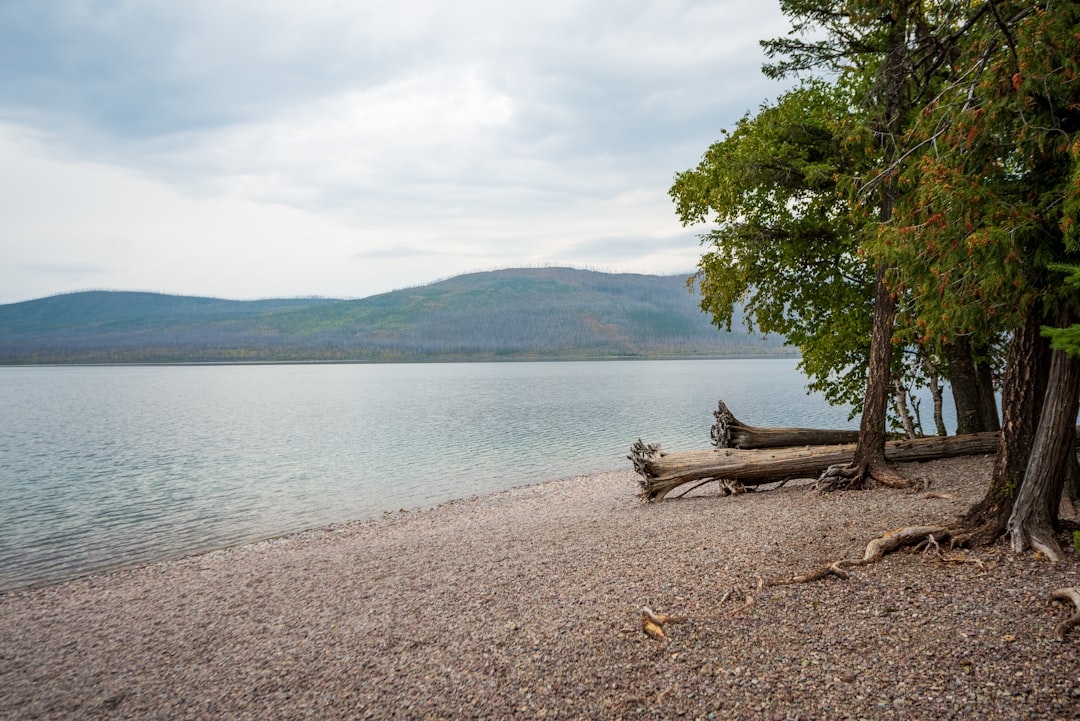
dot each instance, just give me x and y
(729, 432)
(661, 472)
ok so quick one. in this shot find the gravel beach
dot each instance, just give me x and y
(525, 604)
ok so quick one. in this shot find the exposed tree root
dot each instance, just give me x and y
(833, 569)
(1039, 538)
(854, 477)
(660, 619)
(886, 475)
(875, 551)
(981, 535)
(1067, 594)
(909, 536)
(729, 487)
(749, 598)
(841, 477)
(748, 603)
(929, 540)
(931, 546)
(695, 487)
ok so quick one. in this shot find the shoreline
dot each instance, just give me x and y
(524, 603)
(182, 555)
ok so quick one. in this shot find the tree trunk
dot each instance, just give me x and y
(933, 378)
(869, 460)
(967, 390)
(1026, 368)
(661, 472)
(892, 102)
(902, 409)
(1034, 514)
(730, 432)
(1072, 477)
(936, 394)
(986, 392)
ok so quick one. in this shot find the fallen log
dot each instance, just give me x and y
(661, 472)
(729, 432)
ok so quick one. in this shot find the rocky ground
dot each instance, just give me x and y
(525, 604)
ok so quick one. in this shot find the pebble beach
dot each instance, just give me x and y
(525, 604)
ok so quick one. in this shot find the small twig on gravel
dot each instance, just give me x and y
(652, 630)
(749, 599)
(836, 568)
(748, 603)
(653, 623)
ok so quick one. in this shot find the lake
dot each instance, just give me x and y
(110, 466)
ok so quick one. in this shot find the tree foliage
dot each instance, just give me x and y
(1066, 339)
(788, 189)
(993, 179)
(955, 140)
(784, 245)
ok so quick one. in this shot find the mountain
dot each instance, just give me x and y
(529, 313)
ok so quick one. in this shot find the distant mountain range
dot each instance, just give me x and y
(515, 314)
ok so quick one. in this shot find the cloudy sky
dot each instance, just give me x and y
(277, 148)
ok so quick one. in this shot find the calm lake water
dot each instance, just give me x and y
(114, 466)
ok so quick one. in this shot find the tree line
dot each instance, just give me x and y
(906, 214)
(543, 313)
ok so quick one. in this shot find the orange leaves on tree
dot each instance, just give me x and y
(972, 134)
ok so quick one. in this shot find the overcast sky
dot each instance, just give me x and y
(277, 148)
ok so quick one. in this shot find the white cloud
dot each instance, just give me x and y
(339, 150)
(249, 148)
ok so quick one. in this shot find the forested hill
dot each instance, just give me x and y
(553, 313)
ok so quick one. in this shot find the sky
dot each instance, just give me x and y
(343, 148)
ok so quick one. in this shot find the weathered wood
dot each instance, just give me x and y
(730, 432)
(1067, 594)
(661, 472)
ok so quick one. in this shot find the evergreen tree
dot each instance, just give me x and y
(785, 246)
(892, 55)
(991, 177)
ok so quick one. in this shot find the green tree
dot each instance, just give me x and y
(1066, 339)
(890, 57)
(784, 245)
(788, 245)
(991, 178)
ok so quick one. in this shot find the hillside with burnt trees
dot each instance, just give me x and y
(515, 314)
